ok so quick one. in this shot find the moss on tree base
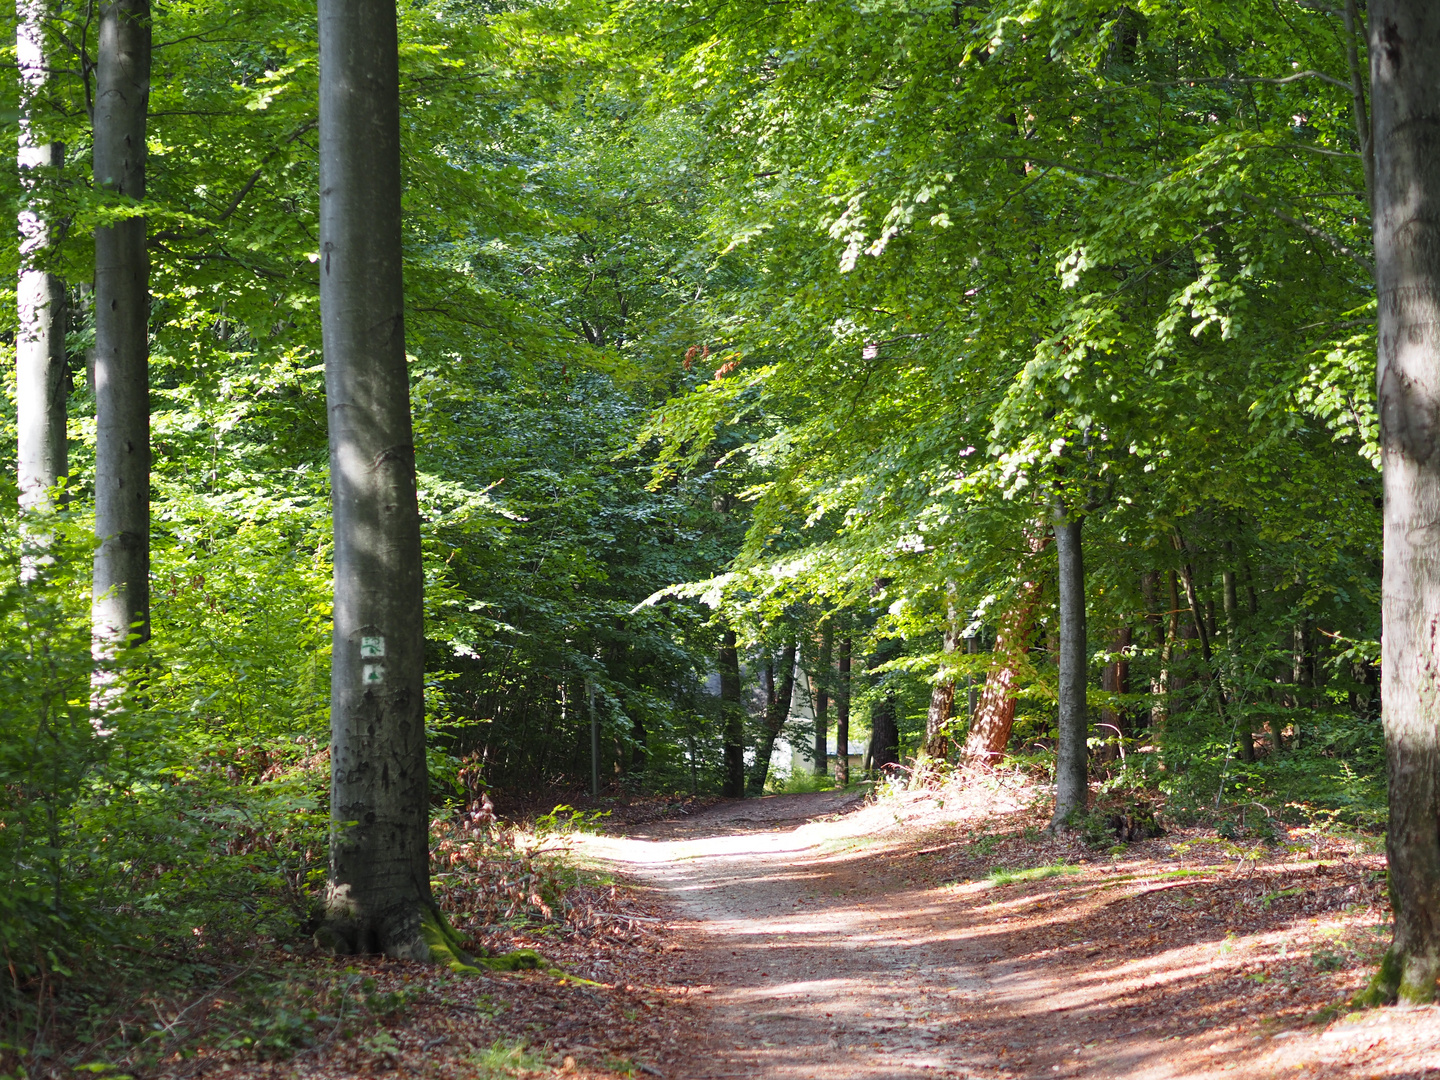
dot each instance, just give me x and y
(445, 949)
(1400, 980)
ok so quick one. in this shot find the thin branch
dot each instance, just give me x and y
(245, 189)
(1314, 150)
(1357, 97)
(1228, 80)
(1064, 167)
(1315, 231)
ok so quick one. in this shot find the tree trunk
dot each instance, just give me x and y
(1404, 71)
(972, 692)
(842, 715)
(942, 697)
(1149, 589)
(1072, 789)
(41, 377)
(777, 710)
(121, 597)
(884, 734)
(378, 899)
(1231, 597)
(822, 697)
(729, 660)
(994, 714)
(1115, 679)
(884, 748)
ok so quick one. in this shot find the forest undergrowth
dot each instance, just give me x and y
(227, 1002)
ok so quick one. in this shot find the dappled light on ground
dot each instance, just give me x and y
(826, 940)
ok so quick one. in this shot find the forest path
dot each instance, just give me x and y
(824, 940)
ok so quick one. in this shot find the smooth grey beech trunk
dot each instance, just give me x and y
(729, 661)
(378, 899)
(41, 378)
(121, 597)
(1071, 766)
(1404, 73)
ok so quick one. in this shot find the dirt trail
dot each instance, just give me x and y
(824, 940)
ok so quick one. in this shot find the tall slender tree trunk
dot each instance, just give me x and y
(884, 748)
(942, 697)
(729, 661)
(822, 696)
(1404, 71)
(842, 714)
(41, 377)
(378, 899)
(994, 714)
(1072, 789)
(121, 604)
(1155, 618)
(1115, 679)
(777, 709)
(1231, 598)
(972, 691)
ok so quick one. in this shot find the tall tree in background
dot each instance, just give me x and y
(729, 660)
(122, 315)
(1404, 71)
(821, 693)
(780, 689)
(942, 697)
(378, 898)
(40, 375)
(1071, 755)
(842, 713)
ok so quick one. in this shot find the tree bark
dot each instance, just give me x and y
(1231, 597)
(1115, 679)
(942, 697)
(822, 697)
(777, 710)
(1155, 618)
(41, 376)
(729, 661)
(842, 714)
(1072, 789)
(994, 714)
(1404, 71)
(121, 587)
(884, 747)
(378, 899)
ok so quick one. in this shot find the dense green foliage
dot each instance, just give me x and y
(769, 314)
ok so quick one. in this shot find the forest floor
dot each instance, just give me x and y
(929, 934)
(944, 934)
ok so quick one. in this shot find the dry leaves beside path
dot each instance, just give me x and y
(933, 935)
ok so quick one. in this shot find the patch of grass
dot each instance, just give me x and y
(799, 782)
(1003, 876)
(985, 843)
(505, 1060)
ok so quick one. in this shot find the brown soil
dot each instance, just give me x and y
(823, 940)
